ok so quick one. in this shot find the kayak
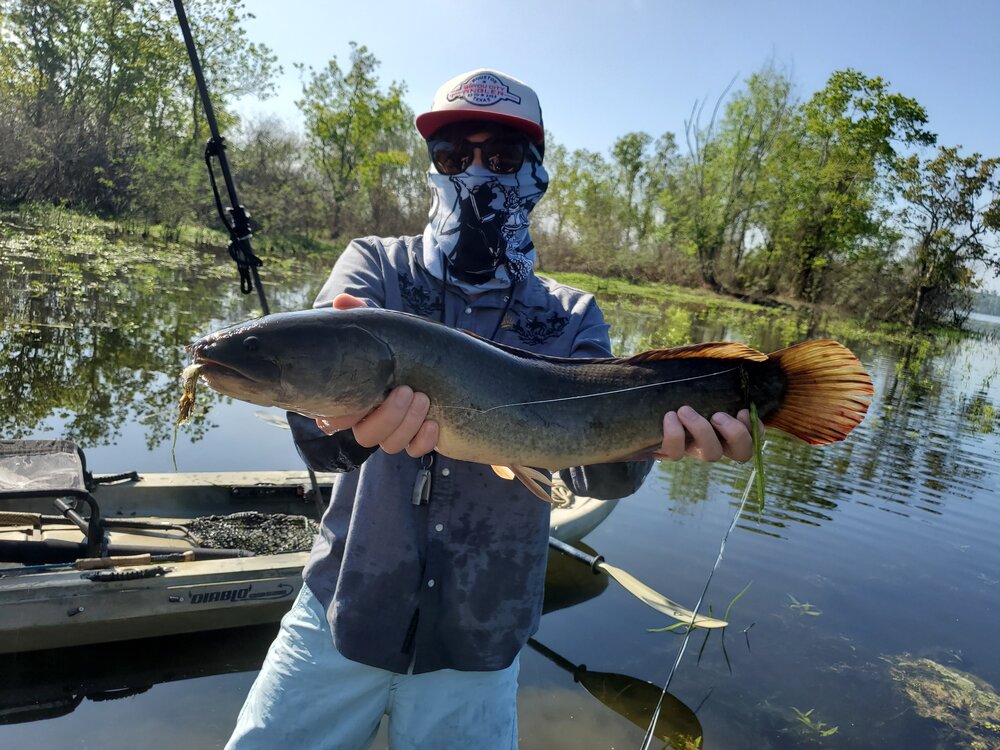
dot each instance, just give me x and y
(161, 577)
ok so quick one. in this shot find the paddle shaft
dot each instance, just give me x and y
(594, 561)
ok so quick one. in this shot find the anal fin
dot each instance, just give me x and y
(530, 478)
(503, 472)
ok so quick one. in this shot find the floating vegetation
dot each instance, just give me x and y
(804, 608)
(812, 726)
(968, 706)
(189, 389)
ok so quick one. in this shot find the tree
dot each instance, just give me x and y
(97, 94)
(848, 134)
(354, 128)
(718, 184)
(277, 182)
(642, 168)
(953, 212)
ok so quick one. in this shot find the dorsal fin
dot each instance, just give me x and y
(711, 350)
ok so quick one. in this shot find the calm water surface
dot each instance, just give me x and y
(869, 557)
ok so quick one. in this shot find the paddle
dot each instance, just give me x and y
(634, 699)
(648, 596)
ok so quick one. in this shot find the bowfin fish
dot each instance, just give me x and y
(506, 407)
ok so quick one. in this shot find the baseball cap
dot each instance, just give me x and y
(484, 94)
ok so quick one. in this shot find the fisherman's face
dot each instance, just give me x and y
(455, 149)
(479, 137)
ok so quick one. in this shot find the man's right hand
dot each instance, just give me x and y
(400, 422)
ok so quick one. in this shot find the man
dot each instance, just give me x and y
(426, 578)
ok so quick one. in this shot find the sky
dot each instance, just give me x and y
(603, 69)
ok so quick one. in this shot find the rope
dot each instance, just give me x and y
(134, 476)
(126, 575)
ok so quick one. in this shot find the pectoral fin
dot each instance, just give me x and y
(529, 477)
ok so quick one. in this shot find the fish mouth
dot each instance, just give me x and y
(211, 371)
(233, 383)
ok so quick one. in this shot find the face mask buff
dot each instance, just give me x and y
(478, 227)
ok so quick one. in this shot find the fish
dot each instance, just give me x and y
(518, 411)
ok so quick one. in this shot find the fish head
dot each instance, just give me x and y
(313, 362)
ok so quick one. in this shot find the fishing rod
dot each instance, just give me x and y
(236, 218)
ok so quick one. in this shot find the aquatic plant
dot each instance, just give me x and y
(813, 726)
(804, 608)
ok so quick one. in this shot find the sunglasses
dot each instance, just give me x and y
(502, 154)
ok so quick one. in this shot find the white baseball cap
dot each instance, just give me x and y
(484, 94)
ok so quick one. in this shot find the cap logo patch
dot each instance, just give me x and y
(483, 90)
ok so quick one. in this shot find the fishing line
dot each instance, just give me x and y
(697, 607)
(590, 395)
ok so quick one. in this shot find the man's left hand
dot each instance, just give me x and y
(687, 433)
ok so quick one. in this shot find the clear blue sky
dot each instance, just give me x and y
(602, 69)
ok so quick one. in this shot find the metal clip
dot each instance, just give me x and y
(422, 484)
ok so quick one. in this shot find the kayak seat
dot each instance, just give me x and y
(56, 469)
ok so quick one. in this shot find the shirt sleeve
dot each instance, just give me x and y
(603, 481)
(593, 338)
(358, 271)
(338, 452)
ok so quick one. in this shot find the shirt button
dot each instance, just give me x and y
(468, 311)
(430, 583)
(439, 527)
(445, 472)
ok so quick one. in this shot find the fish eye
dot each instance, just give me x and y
(251, 343)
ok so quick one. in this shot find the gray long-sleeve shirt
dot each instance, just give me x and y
(454, 582)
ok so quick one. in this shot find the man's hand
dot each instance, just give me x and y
(398, 423)
(687, 433)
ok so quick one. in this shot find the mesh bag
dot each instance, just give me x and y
(260, 533)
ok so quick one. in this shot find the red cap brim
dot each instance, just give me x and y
(430, 122)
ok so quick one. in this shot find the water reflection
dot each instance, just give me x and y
(634, 699)
(891, 534)
(935, 401)
(47, 684)
(92, 329)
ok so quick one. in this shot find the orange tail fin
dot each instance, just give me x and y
(828, 392)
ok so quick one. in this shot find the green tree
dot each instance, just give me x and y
(847, 139)
(643, 167)
(952, 209)
(96, 95)
(718, 186)
(355, 129)
(277, 180)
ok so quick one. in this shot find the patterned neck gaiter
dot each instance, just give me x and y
(478, 227)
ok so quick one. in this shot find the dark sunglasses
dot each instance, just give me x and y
(502, 154)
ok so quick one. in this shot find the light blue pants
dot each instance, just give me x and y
(308, 696)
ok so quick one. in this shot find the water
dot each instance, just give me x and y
(867, 556)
